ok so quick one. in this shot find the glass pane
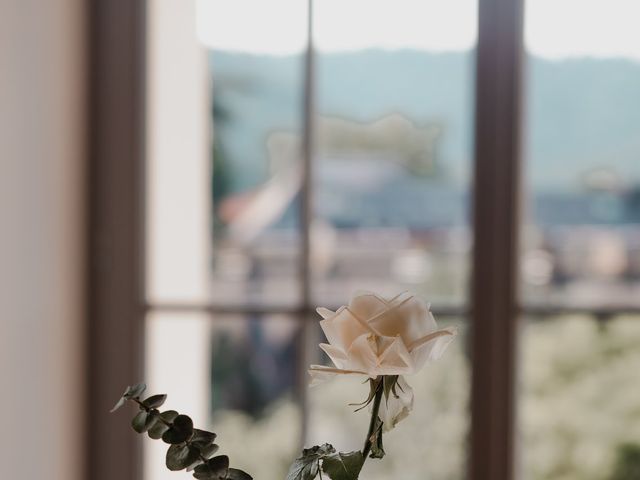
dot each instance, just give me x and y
(236, 376)
(430, 443)
(582, 238)
(177, 157)
(177, 353)
(579, 401)
(255, 58)
(254, 367)
(393, 138)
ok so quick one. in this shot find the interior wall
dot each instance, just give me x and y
(42, 146)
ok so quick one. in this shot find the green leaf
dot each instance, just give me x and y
(180, 431)
(235, 474)
(343, 466)
(144, 420)
(180, 457)
(157, 430)
(208, 450)
(160, 427)
(169, 416)
(215, 469)
(305, 467)
(135, 390)
(203, 436)
(377, 451)
(130, 392)
(118, 405)
(155, 401)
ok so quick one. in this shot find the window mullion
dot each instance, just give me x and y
(496, 216)
(306, 218)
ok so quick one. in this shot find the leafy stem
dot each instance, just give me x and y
(189, 448)
(375, 424)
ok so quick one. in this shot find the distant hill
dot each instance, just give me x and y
(582, 115)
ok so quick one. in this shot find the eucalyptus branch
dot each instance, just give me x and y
(189, 448)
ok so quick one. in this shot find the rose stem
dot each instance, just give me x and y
(374, 415)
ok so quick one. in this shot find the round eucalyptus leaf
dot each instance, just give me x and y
(206, 451)
(180, 431)
(236, 474)
(215, 469)
(203, 436)
(180, 457)
(157, 430)
(155, 401)
(139, 422)
(169, 416)
(135, 391)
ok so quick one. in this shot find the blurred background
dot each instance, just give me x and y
(192, 255)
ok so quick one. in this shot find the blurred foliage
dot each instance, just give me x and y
(578, 403)
(627, 466)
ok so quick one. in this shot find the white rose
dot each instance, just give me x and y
(374, 336)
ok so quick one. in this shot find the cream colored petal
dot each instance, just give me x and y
(321, 374)
(409, 317)
(394, 409)
(432, 346)
(325, 312)
(337, 355)
(395, 360)
(343, 328)
(362, 355)
(367, 305)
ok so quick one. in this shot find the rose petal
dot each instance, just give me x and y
(362, 355)
(432, 346)
(367, 305)
(343, 328)
(325, 312)
(409, 317)
(321, 374)
(394, 409)
(337, 355)
(395, 360)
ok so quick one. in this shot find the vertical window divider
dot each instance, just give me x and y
(305, 221)
(496, 220)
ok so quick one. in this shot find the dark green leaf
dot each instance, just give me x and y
(214, 469)
(118, 405)
(169, 416)
(180, 457)
(377, 451)
(343, 466)
(203, 436)
(305, 467)
(208, 450)
(160, 427)
(235, 474)
(135, 390)
(157, 430)
(180, 431)
(155, 401)
(191, 467)
(144, 420)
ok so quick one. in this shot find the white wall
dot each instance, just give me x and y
(42, 146)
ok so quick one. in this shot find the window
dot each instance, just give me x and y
(237, 260)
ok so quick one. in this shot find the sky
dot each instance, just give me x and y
(553, 28)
